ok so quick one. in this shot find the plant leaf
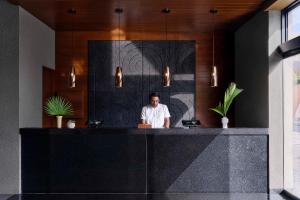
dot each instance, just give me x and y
(58, 106)
(231, 92)
(218, 109)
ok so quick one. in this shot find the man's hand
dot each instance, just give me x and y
(167, 122)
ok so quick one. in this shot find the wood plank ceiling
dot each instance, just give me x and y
(140, 15)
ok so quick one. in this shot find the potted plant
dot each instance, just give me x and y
(59, 107)
(231, 92)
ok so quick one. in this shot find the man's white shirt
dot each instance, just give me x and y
(155, 116)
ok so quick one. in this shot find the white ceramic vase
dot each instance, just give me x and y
(71, 124)
(225, 121)
(59, 121)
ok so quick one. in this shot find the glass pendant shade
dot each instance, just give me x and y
(166, 76)
(72, 78)
(119, 77)
(214, 77)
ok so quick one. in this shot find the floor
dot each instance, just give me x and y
(186, 196)
(296, 162)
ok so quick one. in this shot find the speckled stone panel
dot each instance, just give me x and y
(106, 160)
(209, 163)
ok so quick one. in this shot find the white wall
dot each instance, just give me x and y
(275, 102)
(9, 98)
(36, 49)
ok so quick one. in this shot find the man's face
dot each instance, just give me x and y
(154, 101)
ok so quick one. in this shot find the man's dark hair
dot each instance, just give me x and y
(154, 94)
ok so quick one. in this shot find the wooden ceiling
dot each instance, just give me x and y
(141, 15)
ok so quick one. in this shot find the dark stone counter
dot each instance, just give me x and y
(169, 196)
(171, 131)
(144, 160)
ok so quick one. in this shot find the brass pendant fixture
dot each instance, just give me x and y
(214, 70)
(119, 77)
(72, 77)
(214, 77)
(72, 74)
(166, 76)
(119, 73)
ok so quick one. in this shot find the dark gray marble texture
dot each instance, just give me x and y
(210, 163)
(142, 63)
(89, 163)
(119, 160)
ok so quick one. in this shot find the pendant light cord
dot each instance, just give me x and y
(166, 36)
(213, 39)
(119, 38)
(166, 28)
(72, 27)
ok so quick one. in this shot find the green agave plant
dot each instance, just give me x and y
(58, 106)
(231, 92)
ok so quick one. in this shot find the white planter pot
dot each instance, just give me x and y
(59, 121)
(225, 121)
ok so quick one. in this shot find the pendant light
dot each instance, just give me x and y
(72, 74)
(166, 76)
(119, 73)
(214, 70)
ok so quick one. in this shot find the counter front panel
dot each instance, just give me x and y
(144, 160)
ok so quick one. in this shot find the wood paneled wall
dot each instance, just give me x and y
(206, 97)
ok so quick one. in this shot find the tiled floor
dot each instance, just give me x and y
(186, 196)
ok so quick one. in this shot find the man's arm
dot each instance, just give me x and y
(167, 122)
(167, 117)
(143, 116)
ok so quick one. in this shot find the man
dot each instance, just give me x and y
(155, 113)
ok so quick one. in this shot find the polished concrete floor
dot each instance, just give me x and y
(185, 196)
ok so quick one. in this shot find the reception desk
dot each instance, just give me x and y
(144, 160)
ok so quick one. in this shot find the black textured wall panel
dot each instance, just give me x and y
(142, 63)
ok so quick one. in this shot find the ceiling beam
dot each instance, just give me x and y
(280, 4)
(262, 8)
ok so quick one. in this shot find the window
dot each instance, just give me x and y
(291, 99)
(292, 21)
(291, 82)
